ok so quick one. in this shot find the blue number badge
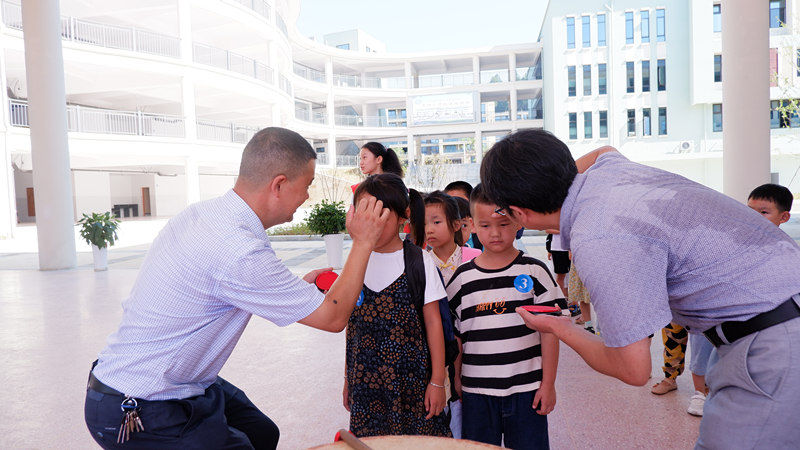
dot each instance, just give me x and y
(360, 298)
(523, 283)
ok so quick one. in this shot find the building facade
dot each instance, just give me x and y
(162, 96)
(646, 77)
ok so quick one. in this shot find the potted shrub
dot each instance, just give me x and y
(328, 219)
(99, 230)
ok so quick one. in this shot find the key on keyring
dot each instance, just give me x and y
(131, 422)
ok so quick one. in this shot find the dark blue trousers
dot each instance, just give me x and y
(510, 419)
(223, 417)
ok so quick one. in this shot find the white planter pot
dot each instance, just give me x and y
(100, 258)
(334, 248)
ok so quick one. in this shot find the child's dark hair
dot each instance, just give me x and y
(390, 189)
(450, 207)
(463, 207)
(780, 195)
(459, 186)
(479, 196)
(390, 162)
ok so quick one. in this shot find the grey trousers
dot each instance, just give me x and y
(755, 392)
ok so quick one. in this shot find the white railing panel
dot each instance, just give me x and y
(347, 160)
(157, 44)
(108, 36)
(18, 113)
(161, 125)
(214, 131)
(12, 15)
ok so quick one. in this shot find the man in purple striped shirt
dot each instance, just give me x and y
(208, 271)
(653, 247)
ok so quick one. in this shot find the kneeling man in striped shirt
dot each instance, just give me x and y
(506, 372)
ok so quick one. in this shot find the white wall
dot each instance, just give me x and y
(169, 195)
(127, 189)
(91, 192)
(212, 186)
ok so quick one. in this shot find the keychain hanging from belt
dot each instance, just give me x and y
(131, 422)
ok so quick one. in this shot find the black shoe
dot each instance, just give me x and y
(590, 330)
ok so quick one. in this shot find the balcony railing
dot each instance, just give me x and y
(223, 59)
(346, 120)
(494, 76)
(529, 73)
(529, 114)
(311, 116)
(285, 84)
(210, 130)
(259, 6)
(446, 80)
(322, 159)
(347, 160)
(387, 82)
(346, 80)
(103, 35)
(309, 74)
(86, 119)
(281, 25)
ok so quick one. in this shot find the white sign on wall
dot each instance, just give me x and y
(442, 108)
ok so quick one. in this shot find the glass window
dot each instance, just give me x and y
(587, 79)
(631, 122)
(717, 18)
(629, 28)
(586, 32)
(798, 62)
(777, 13)
(570, 32)
(601, 30)
(662, 74)
(661, 27)
(645, 76)
(573, 125)
(629, 70)
(587, 125)
(646, 122)
(717, 68)
(343, 46)
(645, 26)
(774, 114)
(716, 116)
(571, 81)
(603, 124)
(601, 79)
(662, 121)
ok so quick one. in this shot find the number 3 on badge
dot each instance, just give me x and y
(523, 283)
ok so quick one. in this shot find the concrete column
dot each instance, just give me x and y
(512, 104)
(512, 67)
(476, 70)
(188, 105)
(185, 30)
(8, 202)
(192, 180)
(745, 98)
(408, 72)
(330, 149)
(52, 182)
(478, 146)
(413, 150)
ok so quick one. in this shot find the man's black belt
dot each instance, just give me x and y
(98, 386)
(728, 332)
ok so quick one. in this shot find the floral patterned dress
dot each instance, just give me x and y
(388, 366)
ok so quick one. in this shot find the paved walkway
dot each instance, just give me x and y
(52, 325)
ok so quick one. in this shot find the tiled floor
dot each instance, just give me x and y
(52, 324)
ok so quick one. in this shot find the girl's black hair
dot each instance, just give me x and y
(450, 207)
(390, 189)
(463, 207)
(390, 162)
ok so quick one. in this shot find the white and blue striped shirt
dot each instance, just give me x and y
(206, 273)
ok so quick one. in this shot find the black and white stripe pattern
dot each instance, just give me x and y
(501, 355)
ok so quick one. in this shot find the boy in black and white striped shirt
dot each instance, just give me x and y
(506, 372)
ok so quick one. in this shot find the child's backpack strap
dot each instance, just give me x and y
(468, 254)
(415, 273)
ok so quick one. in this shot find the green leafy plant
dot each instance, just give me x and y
(99, 229)
(327, 217)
